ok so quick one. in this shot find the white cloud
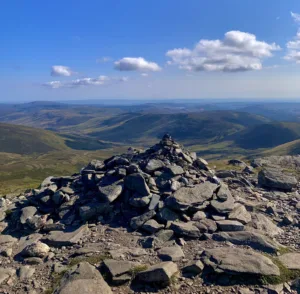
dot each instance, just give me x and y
(144, 74)
(60, 70)
(84, 82)
(293, 47)
(296, 17)
(238, 51)
(103, 59)
(136, 64)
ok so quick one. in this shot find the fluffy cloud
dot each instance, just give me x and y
(238, 51)
(84, 82)
(296, 17)
(60, 70)
(136, 64)
(293, 47)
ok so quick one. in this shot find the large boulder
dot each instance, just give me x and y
(110, 193)
(275, 179)
(161, 273)
(137, 183)
(186, 197)
(236, 261)
(83, 278)
(291, 260)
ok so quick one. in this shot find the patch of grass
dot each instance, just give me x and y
(174, 278)
(285, 274)
(137, 269)
(95, 259)
(283, 250)
(56, 278)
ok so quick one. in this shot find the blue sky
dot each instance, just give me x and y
(60, 50)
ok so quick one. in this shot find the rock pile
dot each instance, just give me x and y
(171, 212)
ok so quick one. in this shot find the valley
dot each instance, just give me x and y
(47, 138)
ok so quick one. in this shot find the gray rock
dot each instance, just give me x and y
(291, 260)
(185, 229)
(171, 253)
(37, 249)
(240, 214)
(174, 170)
(193, 268)
(111, 192)
(230, 225)
(154, 201)
(83, 278)
(58, 197)
(225, 202)
(238, 261)
(275, 179)
(200, 215)
(139, 201)
(166, 214)
(66, 238)
(237, 162)
(186, 197)
(26, 272)
(27, 212)
(137, 183)
(152, 226)
(206, 226)
(201, 163)
(264, 224)
(92, 210)
(35, 222)
(6, 273)
(161, 273)
(255, 240)
(118, 267)
(6, 243)
(164, 235)
(153, 165)
(138, 221)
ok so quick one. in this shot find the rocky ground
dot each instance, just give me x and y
(155, 221)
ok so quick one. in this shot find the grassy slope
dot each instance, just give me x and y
(20, 172)
(25, 140)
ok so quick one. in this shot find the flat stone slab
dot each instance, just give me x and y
(240, 213)
(255, 240)
(185, 229)
(238, 261)
(172, 253)
(230, 225)
(118, 267)
(66, 238)
(274, 178)
(291, 260)
(160, 273)
(186, 196)
(84, 279)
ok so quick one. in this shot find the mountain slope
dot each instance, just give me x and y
(268, 135)
(25, 140)
(194, 128)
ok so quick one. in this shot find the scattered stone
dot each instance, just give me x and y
(37, 249)
(161, 273)
(83, 278)
(137, 222)
(239, 261)
(26, 272)
(172, 253)
(275, 179)
(194, 268)
(152, 226)
(255, 240)
(230, 225)
(185, 229)
(111, 192)
(137, 183)
(240, 213)
(27, 212)
(66, 238)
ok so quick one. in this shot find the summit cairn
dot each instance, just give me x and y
(145, 217)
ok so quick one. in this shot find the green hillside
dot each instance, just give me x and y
(25, 140)
(195, 128)
(268, 135)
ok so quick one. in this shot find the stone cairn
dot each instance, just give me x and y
(162, 186)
